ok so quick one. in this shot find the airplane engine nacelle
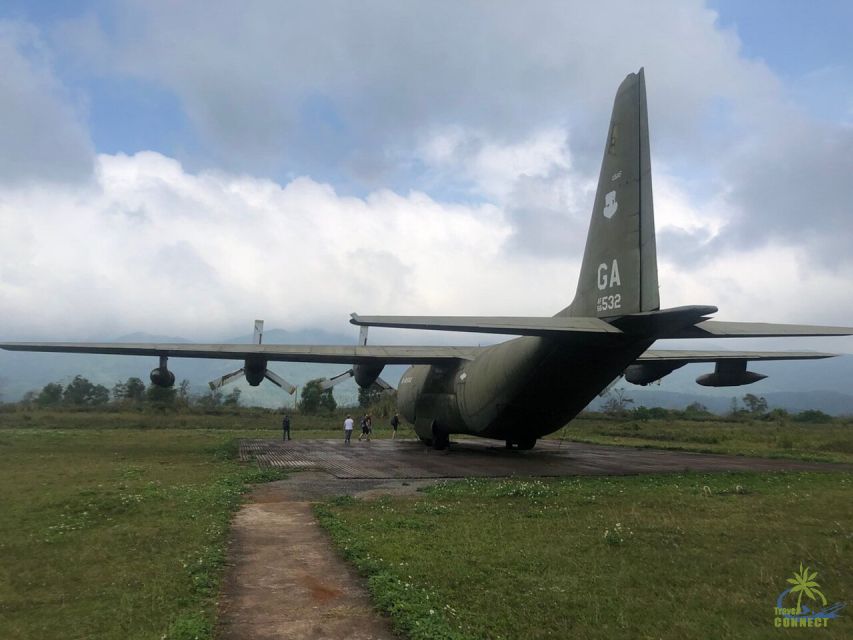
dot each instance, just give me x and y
(365, 375)
(162, 377)
(254, 371)
(648, 372)
(717, 380)
(731, 373)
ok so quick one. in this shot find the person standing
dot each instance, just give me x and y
(285, 427)
(395, 422)
(365, 428)
(348, 429)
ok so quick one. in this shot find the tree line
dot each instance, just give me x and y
(314, 399)
(750, 407)
(81, 392)
(133, 392)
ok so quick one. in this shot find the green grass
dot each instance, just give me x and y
(242, 419)
(677, 556)
(114, 533)
(816, 442)
(249, 422)
(113, 525)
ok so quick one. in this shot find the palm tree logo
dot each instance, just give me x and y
(804, 583)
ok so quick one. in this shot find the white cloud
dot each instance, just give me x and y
(155, 248)
(532, 179)
(493, 168)
(152, 247)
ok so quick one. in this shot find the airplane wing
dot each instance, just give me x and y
(513, 325)
(686, 357)
(270, 352)
(719, 329)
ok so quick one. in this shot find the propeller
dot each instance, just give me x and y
(228, 377)
(279, 381)
(328, 383)
(357, 370)
(257, 369)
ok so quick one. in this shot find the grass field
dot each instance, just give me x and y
(114, 533)
(680, 556)
(113, 524)
(249, 423)
(818, 442)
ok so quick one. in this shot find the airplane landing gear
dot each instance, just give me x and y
(440, 440)
(527, 443)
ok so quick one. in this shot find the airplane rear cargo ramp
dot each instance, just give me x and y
(409, 459)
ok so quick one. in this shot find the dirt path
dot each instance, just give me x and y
(284, 578)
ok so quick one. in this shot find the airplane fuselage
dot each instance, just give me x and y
(515, 391)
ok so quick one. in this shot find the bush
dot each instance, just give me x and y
(812, 416)
(314, 398)
(650, 413)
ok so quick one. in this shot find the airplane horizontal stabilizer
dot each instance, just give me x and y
(719, 329)
(512, 325)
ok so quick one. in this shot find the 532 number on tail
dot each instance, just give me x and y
(607, 303)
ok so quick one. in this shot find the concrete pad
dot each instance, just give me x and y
(402, 459)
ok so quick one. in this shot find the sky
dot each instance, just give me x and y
(181, 169)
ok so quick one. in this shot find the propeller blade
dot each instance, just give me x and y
(328, 383)
(384, 385)
(607, 389)
(278, 380)
(228, 377)
(259, 332)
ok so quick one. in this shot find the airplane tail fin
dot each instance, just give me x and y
(619, 271)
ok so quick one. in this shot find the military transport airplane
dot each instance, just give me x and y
(529, 386)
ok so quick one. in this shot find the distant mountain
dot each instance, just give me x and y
(830, 402)
(794, 385)
(148, 337)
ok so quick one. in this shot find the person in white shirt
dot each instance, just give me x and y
(348, 423)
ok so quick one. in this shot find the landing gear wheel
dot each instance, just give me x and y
(527, 443)
(440, 440)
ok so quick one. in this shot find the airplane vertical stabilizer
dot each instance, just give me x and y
(619, 270)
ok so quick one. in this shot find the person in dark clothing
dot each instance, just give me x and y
(395, 422)
(285, 427)
(366, 424)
